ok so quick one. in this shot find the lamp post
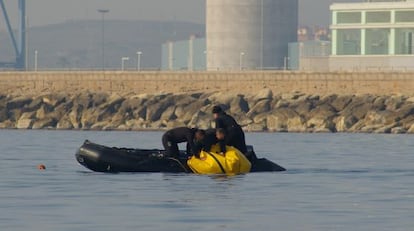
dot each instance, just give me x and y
(103, 12)
(286, 63)
(35, 60)
(139, 53)
(209, 62)
(123, 59)
(241, 60)
(206, 58)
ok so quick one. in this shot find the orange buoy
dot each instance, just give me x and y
(41, 167)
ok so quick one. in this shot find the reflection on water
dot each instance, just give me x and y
(333, 182)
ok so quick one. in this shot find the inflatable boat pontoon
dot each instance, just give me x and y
(101, 158)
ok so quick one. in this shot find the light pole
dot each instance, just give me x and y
(103, 12)
(206, 58)
(286, 63)
(123, 59)
(139, 53)
(35, 60)
(241, 60)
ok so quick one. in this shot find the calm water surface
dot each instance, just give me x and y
(333, 182)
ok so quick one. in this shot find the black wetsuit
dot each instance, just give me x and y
(210, 139)
(173, 137)
(234, 133)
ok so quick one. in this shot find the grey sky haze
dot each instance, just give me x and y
(43, 12)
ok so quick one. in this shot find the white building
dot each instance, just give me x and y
(374, 35)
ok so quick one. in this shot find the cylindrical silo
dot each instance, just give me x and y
(249, 34)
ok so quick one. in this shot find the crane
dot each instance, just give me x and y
(19, 41)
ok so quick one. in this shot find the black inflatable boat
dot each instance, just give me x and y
(101, 158)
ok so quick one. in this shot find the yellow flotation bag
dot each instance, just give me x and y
(232, 162)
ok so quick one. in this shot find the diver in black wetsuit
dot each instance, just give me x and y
(207, 139)
(221, 139)
(234, 133)
(173, 137)
(204, 139)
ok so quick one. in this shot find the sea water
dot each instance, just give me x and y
(333, 182)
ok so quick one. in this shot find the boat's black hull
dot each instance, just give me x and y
(101, 158)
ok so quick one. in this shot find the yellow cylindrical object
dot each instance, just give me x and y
(232, 162)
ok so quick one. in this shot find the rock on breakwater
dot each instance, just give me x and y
(263, 111)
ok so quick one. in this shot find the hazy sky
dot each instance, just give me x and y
(42, 12)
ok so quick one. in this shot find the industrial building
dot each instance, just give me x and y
(184, 55)
(240, 35)
(249, 34)
(311, 55)
(374, 35)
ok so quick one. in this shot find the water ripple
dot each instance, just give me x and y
(334, 182)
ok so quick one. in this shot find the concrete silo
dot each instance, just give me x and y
(249, 34)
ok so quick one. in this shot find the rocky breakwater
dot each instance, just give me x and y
(264, 111)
